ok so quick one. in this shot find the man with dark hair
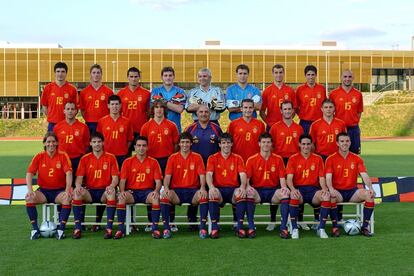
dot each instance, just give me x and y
(309, 97)
(173, 95)
(94, 98)
(242, 90)
(56, 94)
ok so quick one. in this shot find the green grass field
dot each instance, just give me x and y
(389, 252)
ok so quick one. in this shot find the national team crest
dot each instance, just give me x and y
(212, 138)
(352, 165)
(77, 133)
(295, 134)
(121, 129)
(105, 165)
(147, 170)
(354, 100)
(102, 97)
(312, 167)
(66, 95)
(140, 99)
(318, 95)
(249, 95)
(58, 165)
(254, 130)
(273, 168)
(336, 131)
(192, 166)
(196, 140)
(232, 167)
(166, 131)
(286, 97)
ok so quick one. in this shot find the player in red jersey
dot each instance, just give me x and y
(73, 135)
(140, 183)
(342, 169)
(117, 130)
(324, 130)
(246, 131)
(266, 183)
(274, 95)
(135, 101)
(286, 132)
(306, 181)
(349, 107)
(98, 170)
(309, 97)
(184, 182)
(56, 94)
(54, 179)
(93, 100)
(224, 169)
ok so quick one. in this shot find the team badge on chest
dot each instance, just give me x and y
(192, 166)
(58, 165)
(105, 165)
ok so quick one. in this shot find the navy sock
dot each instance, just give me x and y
(273, 212)
(213, 207)
(250, 208)
(233, 209)
(240, 211)
(192, 213)
(334, 215)
(155, 216)
(368, 209)
(77, 213)
(324, 212)
(165, 211)
(32, 212)
(110, 213)
(64, 216)
(203, 213)
(301, 211)
(340, 212)
(99, 212)
(121, 212)
(284, 211)
(149, 213)
(83, 213)
(294, 210)
(172, 213)
(316, 212)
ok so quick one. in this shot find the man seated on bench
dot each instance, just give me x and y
(266, 183)
(224, 169)
(141, 178)
(342, 169)
(306, 181)
(185, 175)
(99, 171)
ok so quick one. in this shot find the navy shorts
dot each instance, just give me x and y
(120, 160)
(185, 195)
(355, 134)
(140, 196)
(163, 163)
(227, 194)
(308, 192)
(266, 194)
(347, 194)
(92, 126)
(305, 124)
(96, 195)
(50, 126)
(50, 194)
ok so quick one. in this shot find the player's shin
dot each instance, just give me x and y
(368, 209)
(203, 212)
(32, 213)
(77, 206)
(294, 210)
(121, 212)
(155, 216)
(324, 212)
(213, 207)
(110, 213)
(284, 211)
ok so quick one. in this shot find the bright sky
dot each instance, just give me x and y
(354, 24)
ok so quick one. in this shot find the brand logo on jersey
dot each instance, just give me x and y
(339, 166)
(139, 98)
(306, 96)
(260, 168)
(43, 165)
(341, 99)
(300, 166)
(282, 133)
(249, 95)
(147, 170)
(108, 128)
(102, 97)
(105, 165)
(121, 129)
(312, 167)
(62, 132)
(66, 95)
(166, 131)
(241, 129)
(58, 165)
(90, 98)
(90, 167)
(274, 96)
(77, 133)
(273, 168)
(192, 166)
(352, 165)
(218, 166)
(126, 99)
(178, 166)
(52, 94)
(323, 132)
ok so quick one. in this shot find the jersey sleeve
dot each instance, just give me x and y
(321, 166)
(211, 164)
(241, 168)
(290, 168)
(81, 171)
(249, 168)
(114, 166)
(86, 137)
(328, 165)
(157, 171)
(175, 134)
(45, 96)
(67, 165)
(264, 99)
(130, 136)
(361, 166)
(34, 165)
(125, 169)
(281, 165)
(170, 166)
(200, 166)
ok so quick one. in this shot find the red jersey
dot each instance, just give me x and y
(117, 134)
(55, 97)
(272, 97)
(98, 172)
(73, 139)
(185, 172)
(140, 175)
(51, 170)
(161, 137)
(225, 171)
(265, 173)
(135, 105)
(347, 105)
(344, 170)
(94, 103)
(309, 100)
(324, 135)
(306, 172)
(246, 136)
(286, 138)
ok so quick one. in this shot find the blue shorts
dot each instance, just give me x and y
(227, 194)
(96, 195)
(266, 194)
(308, 192)
(347, 194)
(185, 195)
(50, 126)
(305, 124)
(75, 165)
(120, 159)
(163, 163)
(355, 134)
(92, 126)
(140, 196)
(50, 194)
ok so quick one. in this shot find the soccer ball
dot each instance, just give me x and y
(48, 229)
(352, 227)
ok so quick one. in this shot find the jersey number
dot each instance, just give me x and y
(115, 134)
(312, 102)
(248, 136)
(132, 105)
(288, 140)
(266, 175)
(140, 177)
(305, 173)
(347, 105)
(330, 138)
(98, 174)
(51, 171)
(69, 139)
(59, 100)
(96, 104)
